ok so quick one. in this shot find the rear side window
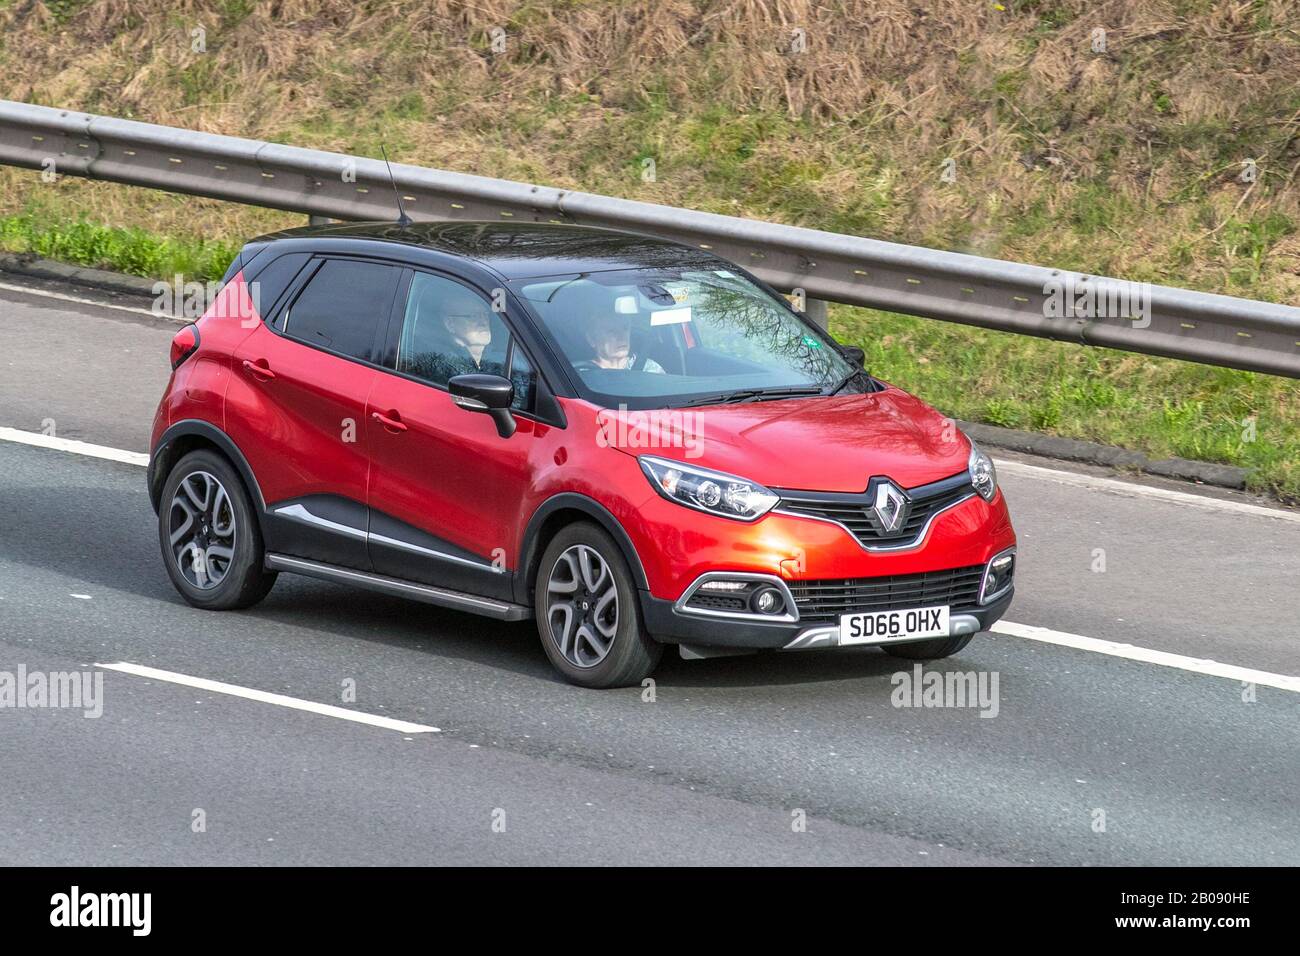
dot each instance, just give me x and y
(269, 282)
(341, 307)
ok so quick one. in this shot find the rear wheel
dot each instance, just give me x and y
(587, 611)
(929, 650)
(210, 539)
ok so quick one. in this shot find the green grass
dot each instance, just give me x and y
(132, 251)
(1160, 407)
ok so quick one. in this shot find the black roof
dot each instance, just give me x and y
(522, 249)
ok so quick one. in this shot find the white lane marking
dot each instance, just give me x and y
(71, 445)
(72, 298)
(1116, 486)
(280, 700)
(1148, 656)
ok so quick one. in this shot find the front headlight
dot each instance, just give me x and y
(982, 473)
(713, 492)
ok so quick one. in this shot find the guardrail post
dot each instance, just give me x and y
(816, 310)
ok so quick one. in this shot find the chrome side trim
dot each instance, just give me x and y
(299, 513)
(792, 610)
(501, 610)
(876, 548)
(441, 555)
(828, 635)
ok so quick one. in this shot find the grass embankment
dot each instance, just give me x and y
(1125, 161)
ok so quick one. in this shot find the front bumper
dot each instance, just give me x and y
(674, 628)
(669, 622)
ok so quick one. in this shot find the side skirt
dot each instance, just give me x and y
(457, 600)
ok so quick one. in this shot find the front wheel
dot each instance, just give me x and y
(211, 542)
(929, 650)
(587, 611)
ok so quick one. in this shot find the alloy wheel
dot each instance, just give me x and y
(201, 530)
(582, 606)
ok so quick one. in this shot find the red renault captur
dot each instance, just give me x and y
(632, 441)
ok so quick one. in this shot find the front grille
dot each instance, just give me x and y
(822, 602)
(856, 512)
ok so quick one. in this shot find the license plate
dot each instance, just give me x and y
(908, 624)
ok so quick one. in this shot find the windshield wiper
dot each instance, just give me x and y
(751, 395)
(848, 378)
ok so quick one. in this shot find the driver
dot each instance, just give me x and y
(610, 337)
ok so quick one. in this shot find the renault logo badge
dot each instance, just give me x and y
(890, 507)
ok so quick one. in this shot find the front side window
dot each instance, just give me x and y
(524, 379)
(450, 330)
(656, 338)
(341, 307)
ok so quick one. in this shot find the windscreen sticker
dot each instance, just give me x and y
(678, 292)
(670, 316)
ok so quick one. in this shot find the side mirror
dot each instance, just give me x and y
(491, 394)
(854, 354)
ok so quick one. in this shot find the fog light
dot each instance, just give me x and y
(767, 601)
(998, 576)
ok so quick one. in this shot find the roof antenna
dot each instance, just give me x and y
(403, 220)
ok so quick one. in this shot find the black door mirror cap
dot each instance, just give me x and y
(482, 392)
(492, 394)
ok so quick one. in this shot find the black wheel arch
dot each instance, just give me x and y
(184, 437)
(555, 513)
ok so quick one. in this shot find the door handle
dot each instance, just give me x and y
(259, 369)
(394, 424)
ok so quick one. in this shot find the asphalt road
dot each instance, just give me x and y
(525, 769)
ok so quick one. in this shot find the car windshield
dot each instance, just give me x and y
(652, 339)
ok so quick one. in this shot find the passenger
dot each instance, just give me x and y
(467, 320)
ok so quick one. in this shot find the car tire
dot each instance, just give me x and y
(209, 535)
(591, 642)
(929, 650)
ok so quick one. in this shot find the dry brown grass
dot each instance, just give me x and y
(1038, 123)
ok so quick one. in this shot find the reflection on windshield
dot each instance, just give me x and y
(655, 338)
